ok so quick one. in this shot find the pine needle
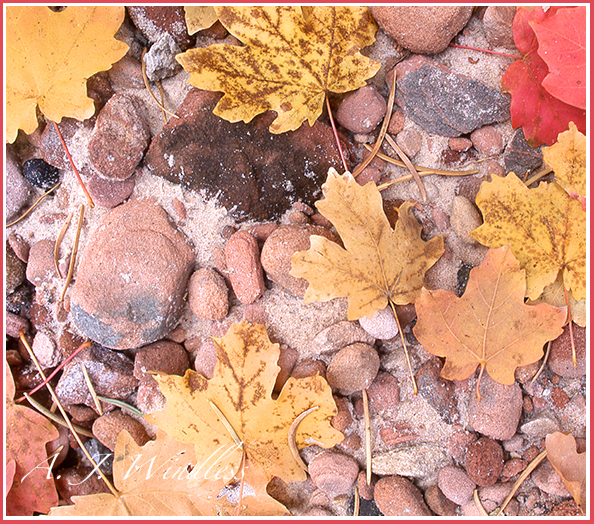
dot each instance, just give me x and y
(409, 165)
(74, 252)
(35, 204)
(59, 242)
(367, 437)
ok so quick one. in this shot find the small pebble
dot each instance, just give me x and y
(107, 428)
(110, 192)
(540, 425)
(410, 141)
(255, 313)
(13, 323)
(208, 294)
(512, 468)
(455, 484)
(487, 141)
(384, 393)
(464, 218)
(205, 358)
(513, 444)
(498, 24)
(460, 144)
(263, 231)
(353, 368)
(78, 481)
(382, 325)
(164, 356)
(484, 461)
(494, 168)
(19, 246)
(369, 174)
(549, 481)
(439, 503)
(560, 359)
(40, 266)
(333, 472)
(15, 270)
(342, 420)
(309, 368)
(244, 268)
(396, 124)
(396, 496)
(362, 111)
(18, 190)
(366, 490)
(45, 350)
(149, 398)
(39, 173)
(160, 60)
(340, 335)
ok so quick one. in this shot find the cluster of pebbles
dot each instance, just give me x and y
(166, 262)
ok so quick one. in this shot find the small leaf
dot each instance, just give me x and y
(199, 17)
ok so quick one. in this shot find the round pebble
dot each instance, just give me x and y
(410, 141)
(460, 144)
(41, 266)
(342, 420)
(561, 360)
(39, 173)
(455, 484)
(208, 294)
(439, 503)
(498, 24)
(362, 111)
(19, 246)
(366, 490)
(353, 368)
(384, 393)
(382, 325)
(333, 472)
(244, 268)
(286, 362)
(549, 481)
(464, 218)
(165, 356)
(107, 428)
(396, 122)
(396, 496)
(205, 358)
(110, 192)
(14, 270)
(484, 461)
(309, 368)
(487, 141)
(45, 350)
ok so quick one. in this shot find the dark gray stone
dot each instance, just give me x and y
(519, 157)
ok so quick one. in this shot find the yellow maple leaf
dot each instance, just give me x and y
(489, 325)
(291, 59)
(50, 55)
(199, 17)
(567, 158)
(378, 264)
(545, 227)
(237, 404)
(554, 295)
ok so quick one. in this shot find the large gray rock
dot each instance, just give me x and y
(132, 277)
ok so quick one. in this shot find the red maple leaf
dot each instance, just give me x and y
(562, 45)
(538, 112)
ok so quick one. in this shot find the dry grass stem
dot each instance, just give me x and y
(292, 434)
(479, 504)
(35, 204)
(148, 87)
(121, 404)
(537, 176)
(357, 503)
(56, 418)
(412, 376)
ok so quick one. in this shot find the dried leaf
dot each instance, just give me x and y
(378, 264)
(50, 55)
(199, 17)
(540, 114)
(489, 325)
(567, 158)
(545, 227)
(554, 295)
(241, 389)
(27, 432)
(571, 465)
(562, 45)
(290, 60)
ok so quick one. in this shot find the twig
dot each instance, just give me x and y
(544, 361)
(412, 377)
(291, 437)
(346, 168)
(479, 504)
(537, 176)
(382, 132)
(69, 423)
(523, 476)
(367, 437)
(573, 351)
(74, 252)
(148, 87)
(56, 418)
(508, 55)
(59, 241)
(409, 165)
(91, 389)
(35, 204)
(76, 173)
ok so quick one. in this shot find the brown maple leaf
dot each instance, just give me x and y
(489, 326)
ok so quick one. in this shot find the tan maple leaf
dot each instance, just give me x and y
(378, 264)
(489, 326)
(291, 58)
(50, 55)
(234, 413)
(545, 227)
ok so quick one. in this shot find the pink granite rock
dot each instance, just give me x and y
(242, 257)
(208, 294)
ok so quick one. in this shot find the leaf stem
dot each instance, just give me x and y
(412, 376)
(573, 351)
(91, 389)
(346, 168)
(508, 55)
(478, 381)
(76, 173)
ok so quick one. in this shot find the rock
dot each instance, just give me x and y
(498, 23)
(494, 168)
(548, 480)
(560, 358)
(156, 22)
(316, 511)
(567, 508)
(79, 481)
(165, 356)
(464, 218)
(487, 141)
(340, 335)
(540, 425)
(309, 368)
(41, 267)
(519, 157)
(149, 398)
(107, 428)
(484, 461)
(369, 174)
(19, 246)
(342, 420)
(132, 277)
(119, 139)
(242, 257)
(286, 362)
(384, 393)
(205, 358)
(18, 190)
(109, 192)
(208, 295)
(396, 122)
(333, 472)
(99, 88)
(439, 503)
(437, 391)
(418, 460)
(56, 455)
(382, 325)
(395, 496)
(410, 141)
(45, 350)
(51, 145)
(127, 73)
(460, 144)
(243, 163)
(14, 323)
(496, 493)
(362, 110)
(111, 374)
(426, 89)
(498, 413)
(455, 484)
(39, 173)
(422, 29)
(280, 247)
(366, 490)
(353, 368)
(15, 270)
(512, 468)
(160, 60)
